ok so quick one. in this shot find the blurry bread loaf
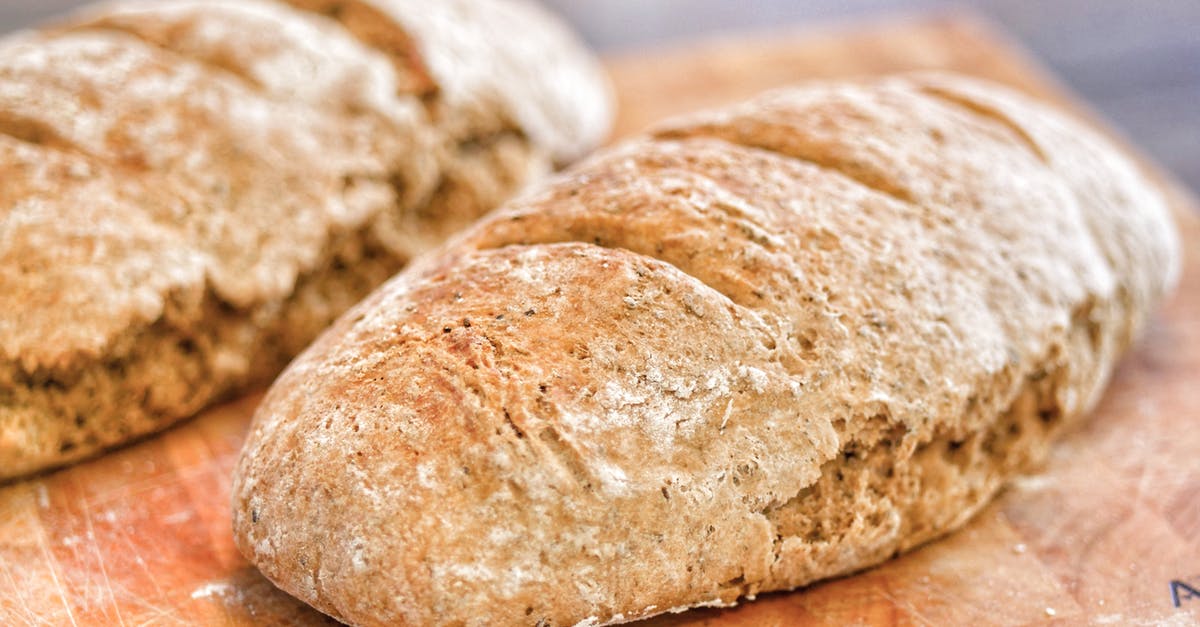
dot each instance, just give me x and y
(757, 347)
(191, 190)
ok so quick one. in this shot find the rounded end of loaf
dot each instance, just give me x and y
(465, 459)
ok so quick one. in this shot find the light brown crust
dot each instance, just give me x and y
(759, 347)
(193, 189)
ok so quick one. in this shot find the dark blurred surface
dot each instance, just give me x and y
(1138, 62)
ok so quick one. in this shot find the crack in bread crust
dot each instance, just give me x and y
(177, 365)
(373, 27)
(32, 131)
(990, 113)
(876, 483)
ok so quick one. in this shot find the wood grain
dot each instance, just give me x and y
(142, 536)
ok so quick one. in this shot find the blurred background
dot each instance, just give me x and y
(1137, 61)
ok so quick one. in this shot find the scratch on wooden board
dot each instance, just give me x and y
(27, 580)
(24, 608)
(91, 534)
(1139, 494)
(127, 492)
(152, 620)
(909, 608)
(157, 612)
(44, 546)
(137, 558)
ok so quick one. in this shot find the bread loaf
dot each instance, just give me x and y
(755, 348)
(191, 190)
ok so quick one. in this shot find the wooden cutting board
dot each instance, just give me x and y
(1108, 533)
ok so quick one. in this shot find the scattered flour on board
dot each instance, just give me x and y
(710, 603)
(212, 589)
(177, 518)
(1035, 483)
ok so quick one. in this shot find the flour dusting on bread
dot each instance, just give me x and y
(755, 348)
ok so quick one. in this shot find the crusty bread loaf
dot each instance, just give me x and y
(758, 347)
(191, 190)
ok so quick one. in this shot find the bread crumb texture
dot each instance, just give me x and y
(191, 190)
(755, 348)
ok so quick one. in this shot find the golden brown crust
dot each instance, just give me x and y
(193, 189)
(759, 347)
